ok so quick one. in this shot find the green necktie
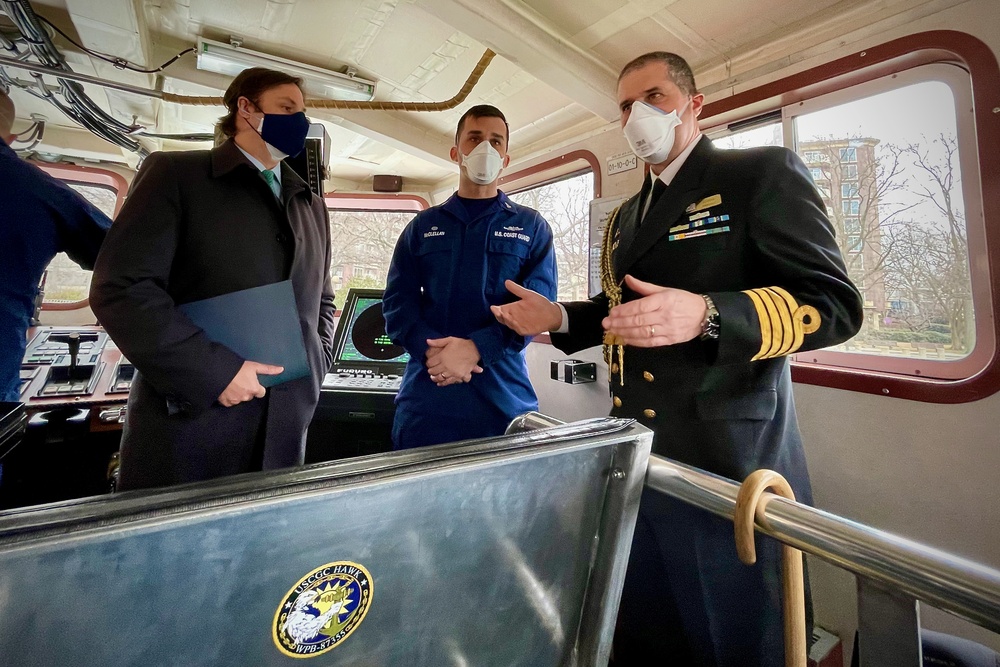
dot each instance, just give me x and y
(271, 181)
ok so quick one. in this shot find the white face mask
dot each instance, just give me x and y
(483, 164)
(650, 131)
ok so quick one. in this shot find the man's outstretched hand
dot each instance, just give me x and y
(530, 315)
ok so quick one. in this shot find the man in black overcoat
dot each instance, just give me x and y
(722, 265)
(199, 224)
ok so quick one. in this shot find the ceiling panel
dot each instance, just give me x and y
(727, 23)
(573, 17)
(398, 36)
(240, 17)
(420, 50)
(638, 39)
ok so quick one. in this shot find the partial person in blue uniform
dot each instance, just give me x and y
(722, 265)
(40, 218)
(467, 376)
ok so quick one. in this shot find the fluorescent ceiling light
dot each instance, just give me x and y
(316, 82)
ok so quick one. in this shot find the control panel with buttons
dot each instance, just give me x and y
(363, 380)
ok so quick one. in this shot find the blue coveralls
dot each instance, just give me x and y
(447, 270)
(40, 217)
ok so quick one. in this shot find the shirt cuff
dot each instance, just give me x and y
(564, 325)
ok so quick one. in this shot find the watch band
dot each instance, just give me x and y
(710, 325)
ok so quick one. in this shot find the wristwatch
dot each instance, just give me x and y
(710, 325)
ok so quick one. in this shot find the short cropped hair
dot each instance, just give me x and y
(251, 84)
(677, 69)
(482, 111)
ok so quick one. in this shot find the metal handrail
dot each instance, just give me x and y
(962, 587)
(956, 585)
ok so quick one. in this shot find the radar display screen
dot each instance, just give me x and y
(365, 339)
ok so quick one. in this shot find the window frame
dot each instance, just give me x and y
(551, 171)
(91, 176)
(374, 203)
(980, 371)
(363, 201)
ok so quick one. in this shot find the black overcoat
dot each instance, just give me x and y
(199, 224)
(749, 229)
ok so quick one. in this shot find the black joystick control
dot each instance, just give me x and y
(72, 340)
(67, 374)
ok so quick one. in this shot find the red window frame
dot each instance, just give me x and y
(71, 173)
(375, 202)
(873, 63)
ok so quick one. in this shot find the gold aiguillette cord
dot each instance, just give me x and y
(613, 291)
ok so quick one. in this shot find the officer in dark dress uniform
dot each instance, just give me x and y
(722, 265)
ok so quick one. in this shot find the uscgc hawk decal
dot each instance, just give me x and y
(322, 609)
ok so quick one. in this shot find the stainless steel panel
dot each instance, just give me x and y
(486, 553)
(888, 628)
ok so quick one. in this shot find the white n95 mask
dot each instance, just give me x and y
(650, 131)
(483, 164)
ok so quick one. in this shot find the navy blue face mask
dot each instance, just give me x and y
(284, 134)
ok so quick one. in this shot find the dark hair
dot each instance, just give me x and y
(251, 84)
(677, 69)
(482, 111)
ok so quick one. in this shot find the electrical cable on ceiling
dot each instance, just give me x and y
(79, 106)
(120, 63)
(193, 136)
(35, 134)
(85, 112)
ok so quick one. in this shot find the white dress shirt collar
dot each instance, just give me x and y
(670, 171)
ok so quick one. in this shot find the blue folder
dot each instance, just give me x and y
(259, 324)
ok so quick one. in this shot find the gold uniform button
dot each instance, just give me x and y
(617, 401)
(614, 368)
(647, 376)
(650, 414)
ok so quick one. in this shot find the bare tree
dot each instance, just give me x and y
(360, 282)
(366, 239)
(863, 198)
(929, 263)
(566, 207)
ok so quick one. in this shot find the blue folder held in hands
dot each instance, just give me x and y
(259, 324)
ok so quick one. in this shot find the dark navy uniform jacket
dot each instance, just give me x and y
(39, 218)
(748, 228)
(446, 272)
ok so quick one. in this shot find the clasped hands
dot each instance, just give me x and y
(660, 316)
(452, 360)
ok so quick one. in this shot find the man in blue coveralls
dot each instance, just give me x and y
(40, 217)
(467, 377)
